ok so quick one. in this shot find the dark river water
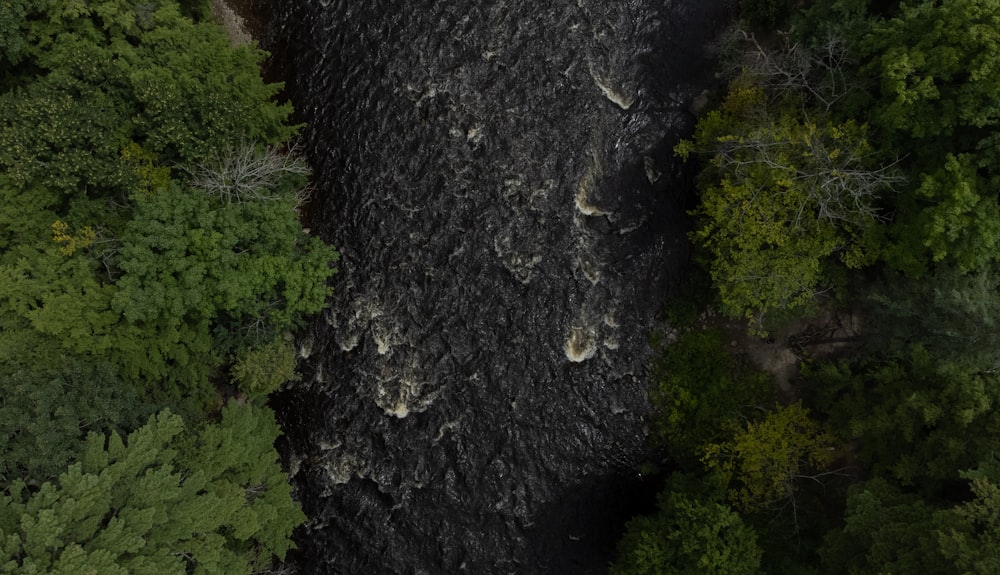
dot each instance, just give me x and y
(498, 177)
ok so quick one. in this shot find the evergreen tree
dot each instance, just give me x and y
(46, 414)
(212, 501)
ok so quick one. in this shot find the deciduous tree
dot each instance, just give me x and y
(784, 193)
(890, 531)
(688, 535)
(701, 388)
(766, 459)
(918, 417)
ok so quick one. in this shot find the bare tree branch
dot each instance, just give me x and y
(246, 173)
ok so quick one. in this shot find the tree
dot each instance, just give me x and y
(260, 370)
(918, 417)
(765, 14)
(113, 106)
(688, 535)
(952, 314)
(185, 90)
(766, 459)
(814, 75)
(886, 531)
(890, 531)
(951, 218)
(973, 542)
(13, 16)
(163, 502)
(245, 267)
(701, 389)
(246, 174)
(933, 97)
(46, 414)
(198, 281)
(784, 191)
(935, 65)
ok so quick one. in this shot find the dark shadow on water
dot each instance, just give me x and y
(578, 533)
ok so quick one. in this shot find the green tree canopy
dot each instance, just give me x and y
(958, 318)
(785, 193)
(936, 65)
(164, 501)
(889, 531)
(690, 534)
(928, 70)
(46, 414)
(114, 248)
(919, 418)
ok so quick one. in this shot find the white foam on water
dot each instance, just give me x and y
(382, 343)
(385, 335)
(521, 265)
(324, 445)
(349, 343)
(621, 100)
(581, 344)
(632, 227)
(445, 428)
(400, 410)
(652, 174)
(400, 396)
(474, 134)
(340, 470)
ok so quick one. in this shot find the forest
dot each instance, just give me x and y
(152, 271)
(849, 167)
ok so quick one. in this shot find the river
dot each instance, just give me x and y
(499, 179)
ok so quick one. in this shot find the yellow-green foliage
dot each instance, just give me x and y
(764, 459)
(152, 178)
(69, 242)
(781, 197)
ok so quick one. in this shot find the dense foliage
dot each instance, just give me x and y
(853, 154)
(211, 500)
(150, 257)
(114, 249)
(692, 533)
(701, 390)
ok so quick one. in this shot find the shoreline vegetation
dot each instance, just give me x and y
(825, 400)
(152, 272)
